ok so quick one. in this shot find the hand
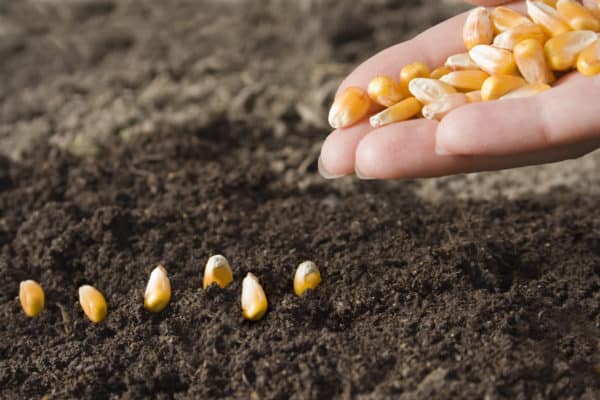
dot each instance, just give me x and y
(561, 123)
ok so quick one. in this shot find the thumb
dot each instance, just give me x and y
(563, 115)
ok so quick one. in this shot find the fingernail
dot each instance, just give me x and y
(362, 176)
(324, 173)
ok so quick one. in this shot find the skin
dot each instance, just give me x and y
(559, 124)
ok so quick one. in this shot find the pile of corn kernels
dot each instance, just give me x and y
(157, 296)
(509, 55)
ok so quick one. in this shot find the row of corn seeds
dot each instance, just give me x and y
(158, 290)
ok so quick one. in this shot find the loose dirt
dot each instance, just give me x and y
(136, 134)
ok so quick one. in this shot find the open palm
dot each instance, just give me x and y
(561, 123)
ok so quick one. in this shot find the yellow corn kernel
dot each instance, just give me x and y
(577, 16)
(551, 3)
(474, 96)
(158, 290)
(562, 50)
(254, 300)
(385, 91)
(410, 72)
(439, 109)
(492, 60)
(217, 271)
(402, 111)
(32, 297)
(478, 28)
(588, 62)
(531, 61)
(460, 62)
(511, 37)
(439, 72)
(465, 80)
(307, 277)
(497, 86)
(504, 18)
(349, 107)
(428, 90)
(526, 91)
(593, 6)
(93, 303)
(547, 17)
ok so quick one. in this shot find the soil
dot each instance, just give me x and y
(134, 134)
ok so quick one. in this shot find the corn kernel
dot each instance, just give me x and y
(439, 72)
(531, 61)
(307, 277)
(428, 90)
(577, 16)
(492, 60)
(511, 37)
(547, 17)
(551, 3)
(385, 91)
(562, 50)
(93, 303)
(254, 300)
(498, 85)
(465, 80)
(32, 297)
(593, 6)
(526, 91)
(588, 62)
(158, 290)
(410, 72)
(217, 271)
(474, 96)
(402, 111)
(504, 18)
(460, 62)
(478, 28)
(349, 107)
(439, 109)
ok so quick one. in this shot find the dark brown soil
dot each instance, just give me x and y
(132, 166)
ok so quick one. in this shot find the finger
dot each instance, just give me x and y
(337, 152)
(431, 47)
(408, 151)
(563, 115)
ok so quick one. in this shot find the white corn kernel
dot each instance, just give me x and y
(254, 300)
(428, 90)
(439, 109)
(460, 62)
(492, 60)
(217, 271)
(478, 28)
(307, 277)
(158, 290)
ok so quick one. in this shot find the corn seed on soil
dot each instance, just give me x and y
(138, 133)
